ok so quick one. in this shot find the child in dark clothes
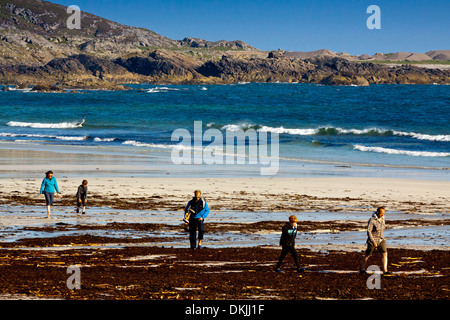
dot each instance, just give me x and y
(82, 196)
(287, 241)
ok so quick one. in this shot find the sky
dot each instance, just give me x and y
(292, 25)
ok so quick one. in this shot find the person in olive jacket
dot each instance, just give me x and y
(287, 241)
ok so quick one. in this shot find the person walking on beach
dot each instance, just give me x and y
(287, 242)
(199, 211)
(82, 196)
(375, 240)
(49, 187)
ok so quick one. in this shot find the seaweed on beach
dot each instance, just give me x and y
(143, 273)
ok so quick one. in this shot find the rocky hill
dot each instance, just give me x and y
(222, 44)
(436, 55)
(36, 47)
(34, 31)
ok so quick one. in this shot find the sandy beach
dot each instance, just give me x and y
(133, 231)
(340, 194)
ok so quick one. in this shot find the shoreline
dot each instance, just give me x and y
(30, 160)
(116, 86)
(131, 245)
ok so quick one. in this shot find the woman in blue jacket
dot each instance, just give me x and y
(49, 187)
(199, 211)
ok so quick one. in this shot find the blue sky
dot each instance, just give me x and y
(295, 25)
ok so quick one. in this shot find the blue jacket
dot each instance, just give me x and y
(201, 210)
(49, 185)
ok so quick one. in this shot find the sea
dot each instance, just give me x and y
(388, 131)
(332, 129)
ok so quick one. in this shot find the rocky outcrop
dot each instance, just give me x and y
(162, 66)
(84, 64)
(160, 63)
(324, 70)
(216, 45)
(270, 69)
(47, 88)
(78, 71)
(338, 71)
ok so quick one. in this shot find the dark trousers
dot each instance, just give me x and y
(195, 224)
(49, 196)
(81, 203)
(284, 251)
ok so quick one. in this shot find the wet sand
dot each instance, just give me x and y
(340, 194)
(131, 245)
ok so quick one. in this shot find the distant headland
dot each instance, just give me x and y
(37, 48)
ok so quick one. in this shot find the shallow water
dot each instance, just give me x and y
(15, 219)
(30, 160)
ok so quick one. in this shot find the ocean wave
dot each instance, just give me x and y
(162, 89)
(69, 138)
(421, 136)
(148, 145)
(330, 131)
(162, 146)
(235, 127)
(401, 152)
(304, 131)
(97, 139)
(281, 130)
(30, 135)
(19, 89)
(167, 89)
(19, 135)
(38, 125)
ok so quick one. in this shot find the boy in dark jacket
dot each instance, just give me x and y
(287, 241)
(82, 196)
